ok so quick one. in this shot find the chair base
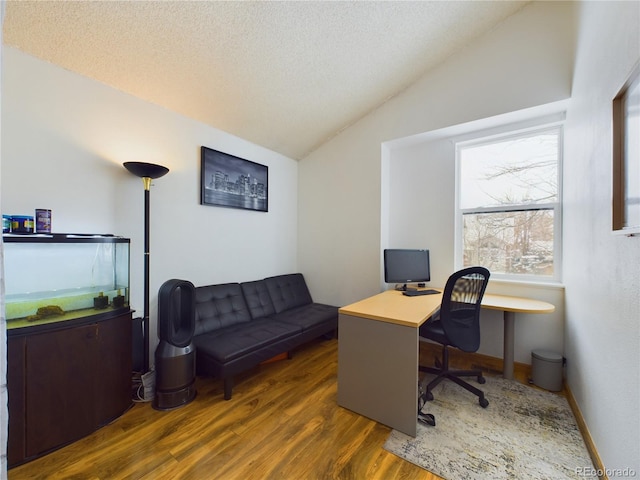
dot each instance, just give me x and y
(444, 372)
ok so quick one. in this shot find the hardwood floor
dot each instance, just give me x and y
(282, 422)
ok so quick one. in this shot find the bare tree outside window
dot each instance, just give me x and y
(508, 201)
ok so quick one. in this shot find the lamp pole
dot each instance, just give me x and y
(147, 171)
(145, 318)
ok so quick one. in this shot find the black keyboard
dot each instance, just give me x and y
(417, 293)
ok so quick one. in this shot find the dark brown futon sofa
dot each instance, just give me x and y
(239, 325)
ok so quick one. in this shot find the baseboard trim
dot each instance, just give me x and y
(586, 436)
(522, 373)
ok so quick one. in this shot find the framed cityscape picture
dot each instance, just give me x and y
(230, 181)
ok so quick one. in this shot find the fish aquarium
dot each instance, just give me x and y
(52, 278)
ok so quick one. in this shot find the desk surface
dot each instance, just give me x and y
(515, 304)
(392, 307)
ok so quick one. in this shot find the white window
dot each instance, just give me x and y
(508, 204)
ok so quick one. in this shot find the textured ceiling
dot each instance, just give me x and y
(284, 75)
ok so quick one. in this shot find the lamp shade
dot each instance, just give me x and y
(146, 170)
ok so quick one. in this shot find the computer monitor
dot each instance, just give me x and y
(406, 266)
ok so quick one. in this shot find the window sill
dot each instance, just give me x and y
(552, 285)
(627, 232)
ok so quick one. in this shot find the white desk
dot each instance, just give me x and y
(378, 352)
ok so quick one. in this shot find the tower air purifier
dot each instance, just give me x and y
(175, 356)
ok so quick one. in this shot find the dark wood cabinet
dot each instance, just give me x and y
(16, 388)
(66, 383)
(113, 387)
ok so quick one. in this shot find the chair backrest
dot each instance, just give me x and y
(460, 309)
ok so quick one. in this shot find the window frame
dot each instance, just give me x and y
(622, 160)
(507, 132)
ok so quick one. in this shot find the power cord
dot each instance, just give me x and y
(143, 386)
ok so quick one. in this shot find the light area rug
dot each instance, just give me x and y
(524, 433)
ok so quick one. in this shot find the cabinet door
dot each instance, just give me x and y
(15, 387)
(60, 379)
(113, 388)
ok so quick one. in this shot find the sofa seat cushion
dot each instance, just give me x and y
(235, 341)
(309, 316)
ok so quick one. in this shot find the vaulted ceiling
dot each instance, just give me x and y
(284, 75)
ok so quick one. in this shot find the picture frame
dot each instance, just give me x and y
(626, 156)
(233, 182)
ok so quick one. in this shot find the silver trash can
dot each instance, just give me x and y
(546, 370)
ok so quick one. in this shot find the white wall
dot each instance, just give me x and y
(64, 139)
(525, 61)
(358, 197)
(602, 271)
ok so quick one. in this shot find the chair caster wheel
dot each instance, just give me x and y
(428, 396)
(484, 403)
(427, 419)
(481, 379)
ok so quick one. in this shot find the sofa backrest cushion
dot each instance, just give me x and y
(288, 291)
(258, 300)
(218, 306)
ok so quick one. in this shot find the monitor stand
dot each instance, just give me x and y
(405, 288)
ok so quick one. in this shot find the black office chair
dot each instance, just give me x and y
(457, 324)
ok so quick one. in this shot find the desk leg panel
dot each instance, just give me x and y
(378, 371)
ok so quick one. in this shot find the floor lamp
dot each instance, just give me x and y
(146, 171)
